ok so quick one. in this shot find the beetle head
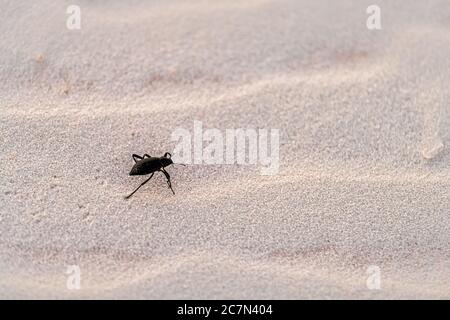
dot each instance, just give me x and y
(166, 159)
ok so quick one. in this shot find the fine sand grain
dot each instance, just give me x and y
(364, 123)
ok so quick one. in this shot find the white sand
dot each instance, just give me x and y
(359, 111)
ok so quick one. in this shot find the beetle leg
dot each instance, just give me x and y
(168, 179)
(128, 196)
(137, 156)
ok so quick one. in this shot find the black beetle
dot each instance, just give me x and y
(146, 165)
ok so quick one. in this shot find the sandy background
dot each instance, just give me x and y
(357, 110)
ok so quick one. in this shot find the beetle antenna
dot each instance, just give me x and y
(180, 164)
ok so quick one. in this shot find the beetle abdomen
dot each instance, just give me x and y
(145, 166)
